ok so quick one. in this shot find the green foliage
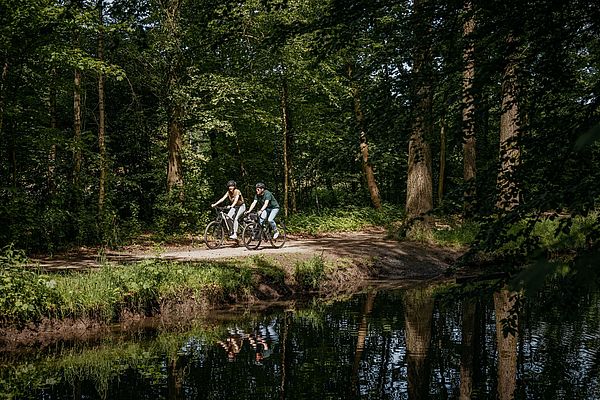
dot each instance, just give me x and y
(310, 273)
(103, 295)
(343, 219)
(27, 295)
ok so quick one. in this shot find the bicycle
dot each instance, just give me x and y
(214, 234)
(254, 233)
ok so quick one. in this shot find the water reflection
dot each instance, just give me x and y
(402, 344)
(507, 332)
(261, 339)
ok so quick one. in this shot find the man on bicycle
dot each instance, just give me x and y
(236, 208)
(268, 207)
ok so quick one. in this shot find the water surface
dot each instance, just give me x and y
(424, 342)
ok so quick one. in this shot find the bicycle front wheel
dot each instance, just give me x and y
(280, 241)
(214, 235)
(251, 236)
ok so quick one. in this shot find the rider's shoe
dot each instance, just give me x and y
(276, 235)
(233, 237)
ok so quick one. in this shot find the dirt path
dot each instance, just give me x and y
(400, 260)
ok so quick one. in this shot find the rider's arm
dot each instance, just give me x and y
(265, 205)
(219, 201)
(235, 200)
(252, 206)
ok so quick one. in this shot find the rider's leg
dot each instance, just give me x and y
(231, 214)
(262, 217)
(236, 223)
(271, 219)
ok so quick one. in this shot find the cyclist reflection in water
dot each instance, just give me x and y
(260, 340)
(236, 208)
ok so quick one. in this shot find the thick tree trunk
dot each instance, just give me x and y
(468, 113)
(419, 188)
(101, 115)
(288, 186)
(418, 315)
(367, 167)
(508, 187)
(507, 344)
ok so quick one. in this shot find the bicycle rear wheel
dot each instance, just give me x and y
(251, 236)
(214, 235)
(280, 241)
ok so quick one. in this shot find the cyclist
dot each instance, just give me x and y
(237, 206)
(269, 207)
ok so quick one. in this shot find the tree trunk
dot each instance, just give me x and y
(174, 106)
(53, 127)
(507, 344)
(364, 146)
(419, 188)
(442, 160)
(174, 170)
(10, 150)
(101, 122)
(468, 113)
(418, 315)
(288, 138)
(2, 86)
(508, 188)
(77, 153)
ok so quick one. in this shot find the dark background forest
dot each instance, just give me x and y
(119, 117)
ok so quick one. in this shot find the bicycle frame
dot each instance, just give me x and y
(224, 219)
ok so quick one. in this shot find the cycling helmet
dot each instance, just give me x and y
(260, 185)
(231, 183)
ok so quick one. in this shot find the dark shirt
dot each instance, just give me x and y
(266, 196)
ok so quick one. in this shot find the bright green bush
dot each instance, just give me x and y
(25, 295)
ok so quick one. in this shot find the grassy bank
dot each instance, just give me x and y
(146, 288)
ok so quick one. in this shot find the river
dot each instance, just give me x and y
(477, 342)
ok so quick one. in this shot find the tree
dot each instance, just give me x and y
(419, 188)
(468, 113)
(101, 115)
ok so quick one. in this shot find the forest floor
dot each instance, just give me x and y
(394, 260)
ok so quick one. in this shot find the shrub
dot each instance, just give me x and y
(26, 295)
(310, 273)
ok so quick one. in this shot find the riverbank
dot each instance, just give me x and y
(184, 282)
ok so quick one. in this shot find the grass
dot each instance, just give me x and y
(340, 220)
(139, 288)
(309, 274)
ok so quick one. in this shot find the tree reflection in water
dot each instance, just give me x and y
(414, 343)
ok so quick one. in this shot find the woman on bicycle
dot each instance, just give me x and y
(269, 207)
(237, 206)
